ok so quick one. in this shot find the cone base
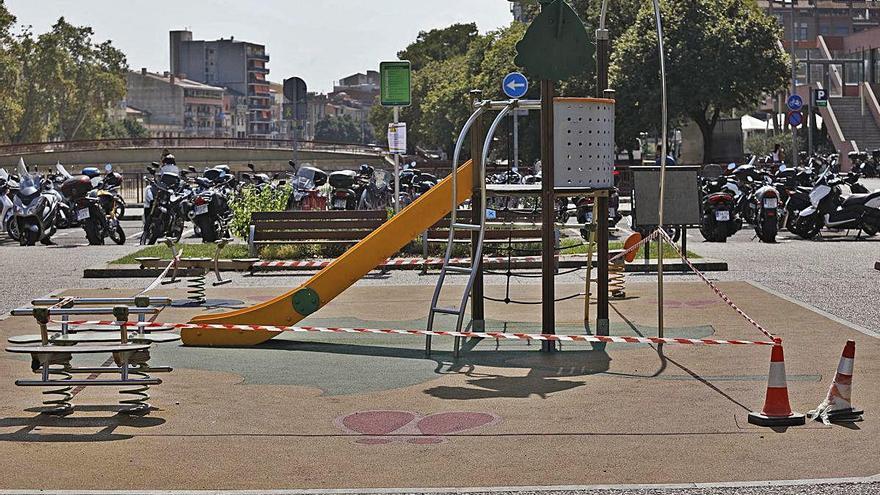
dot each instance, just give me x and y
(759, 419)
(843, 416)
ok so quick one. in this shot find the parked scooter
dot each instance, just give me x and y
(305, 194)
(719, 220)
(36, 208)
(828, 208)
(8, 186)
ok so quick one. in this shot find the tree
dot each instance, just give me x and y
(439, 44)
(10, 106)
(338, 129)
(720, 55)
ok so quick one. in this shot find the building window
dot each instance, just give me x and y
(801, 31)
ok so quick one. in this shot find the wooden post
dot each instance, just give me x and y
(548, 218)
(478, 315)
(602, 323)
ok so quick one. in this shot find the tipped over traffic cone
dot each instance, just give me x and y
(777, 411)
(838, 405)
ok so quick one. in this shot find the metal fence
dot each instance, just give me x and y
(186, 142)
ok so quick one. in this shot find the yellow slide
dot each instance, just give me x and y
(290, 308)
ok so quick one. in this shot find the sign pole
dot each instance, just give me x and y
(812, 109)
(794, 150)
(603, 50)
(396, 168)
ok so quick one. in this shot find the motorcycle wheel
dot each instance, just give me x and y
(12, 228)
(767, 230)
(208, 228)
(93, 232)
(805, 227)
(117, 234)
(870, 230)
(707, 230)
(29, 238)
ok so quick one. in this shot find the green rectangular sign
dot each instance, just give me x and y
(396, 83)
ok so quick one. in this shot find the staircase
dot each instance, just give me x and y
(856, 127)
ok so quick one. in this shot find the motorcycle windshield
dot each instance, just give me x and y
(62, 171)
(28, 185)
(381, 179)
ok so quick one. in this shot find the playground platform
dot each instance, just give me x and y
(372, 411)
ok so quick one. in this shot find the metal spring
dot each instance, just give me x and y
(57, 400)
(136, 403)
(617, 280)
(196, 290)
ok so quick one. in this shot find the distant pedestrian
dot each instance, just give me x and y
(670, 160)
(778, 155)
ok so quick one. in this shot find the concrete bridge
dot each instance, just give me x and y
(135, 154)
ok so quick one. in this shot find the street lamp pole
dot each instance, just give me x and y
(602, 58)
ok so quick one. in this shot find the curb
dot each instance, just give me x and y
(134, 271)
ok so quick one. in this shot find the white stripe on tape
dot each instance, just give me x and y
(845, 366)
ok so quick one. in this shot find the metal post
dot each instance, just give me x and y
(397, 168)
(515, 117)
(794, 148)
(812, 122)
(663, 153)
(478, 316)
(548, 217)
(602, 319)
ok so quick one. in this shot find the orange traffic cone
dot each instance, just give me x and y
(777, 411)
(838, 405)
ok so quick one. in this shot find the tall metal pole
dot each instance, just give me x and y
(548, 218)
(663, 153)
(794, 149)
(602, 320)
(397, 168)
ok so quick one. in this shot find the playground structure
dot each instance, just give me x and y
(571, 128)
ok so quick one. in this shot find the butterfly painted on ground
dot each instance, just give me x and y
(384, 427)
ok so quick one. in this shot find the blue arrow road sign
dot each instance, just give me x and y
(795, 103)
(515, 85)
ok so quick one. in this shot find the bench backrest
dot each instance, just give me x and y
(315, 225)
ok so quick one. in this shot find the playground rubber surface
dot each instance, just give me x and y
(372, 411)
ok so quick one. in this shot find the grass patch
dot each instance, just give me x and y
(189, 251)
(569, 245)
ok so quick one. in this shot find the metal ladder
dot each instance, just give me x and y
(454, 225)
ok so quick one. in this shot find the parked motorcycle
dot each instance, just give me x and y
(211, 212)
(305, 194)
(36, 208)
(97, 203)
(166, 203)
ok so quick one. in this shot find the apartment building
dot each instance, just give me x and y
(237, 65)
(175, 107)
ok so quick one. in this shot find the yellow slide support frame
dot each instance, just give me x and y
(359, 260)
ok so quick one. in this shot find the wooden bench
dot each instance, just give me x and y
(312, 227)
(507, 226)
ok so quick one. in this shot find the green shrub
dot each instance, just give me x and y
(250, 199)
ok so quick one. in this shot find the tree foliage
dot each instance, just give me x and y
(342, 129)
(720, 55)
(439, 44)
(56, 85)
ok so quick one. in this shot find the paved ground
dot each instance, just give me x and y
(351, 411)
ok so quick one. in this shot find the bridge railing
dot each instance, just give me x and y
(185, 142)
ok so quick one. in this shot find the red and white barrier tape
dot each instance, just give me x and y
(715, 288)
(481, 335)
(395, 262)
(635, 247)
(155, 283)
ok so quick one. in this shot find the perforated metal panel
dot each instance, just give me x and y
(583, 147)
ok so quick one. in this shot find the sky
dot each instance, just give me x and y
(321, 40)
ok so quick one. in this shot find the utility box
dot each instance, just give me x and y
(583, 144)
